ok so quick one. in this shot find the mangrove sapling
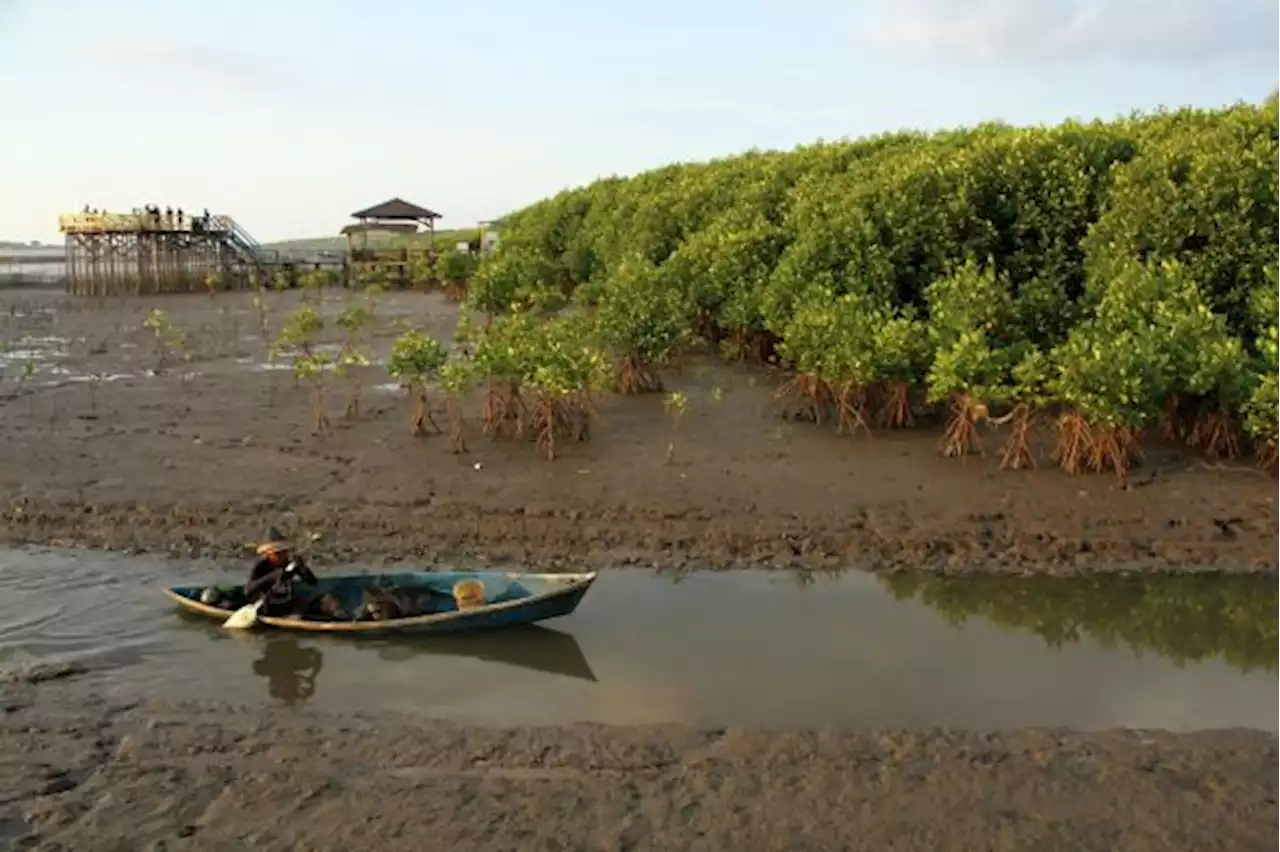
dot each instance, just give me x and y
(415, 360)
(454, 269)
(422, 274)
(371, 293)
(1262, 409)
(902, 355)
(1114, 372)
(352, 356)
(1028, 396)
(27, 371)
(564, 371)
(169, 339)
(299, 335)
(501, 358)
(313, 285)
(456, 379)
(1260, 421)
(725, 265)
(281, 281)
(675, 404)
(373, 282)
(1224, 373)
(968, 309)
(956, 377)
(643, 320)
(1152, 335)
(312, 368)
(348, 365)
(831, 342)
(214, 282)
(262, 310)
(1209, 372)
(95, 379)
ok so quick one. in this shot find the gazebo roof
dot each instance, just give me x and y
(397, 209)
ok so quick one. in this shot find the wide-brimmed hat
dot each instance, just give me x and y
(273, 543)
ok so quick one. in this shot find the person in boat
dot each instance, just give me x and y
(274, 575)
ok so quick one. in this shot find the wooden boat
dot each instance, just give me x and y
(504, 599)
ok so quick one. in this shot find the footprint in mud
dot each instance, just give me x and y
(61, 781)
(12, 825)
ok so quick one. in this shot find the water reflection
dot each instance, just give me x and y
(291, 664)
(1185, 618)
(769, 648)
(290, 668)
(531, 647)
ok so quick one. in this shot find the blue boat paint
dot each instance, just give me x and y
(511, 598)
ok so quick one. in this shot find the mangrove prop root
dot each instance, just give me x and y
(317, 409)
(502, 413)
(422, 414)
(1269, 455)
(1216, 433)
(632, 376)
(1173, 425)
(961, 436)
(804, 396)
(353, 402)
(895, 409)
(1114, 447)
(851, 407)
(740, 344)
(1075, 443)
(559, 417)
(583, 412)
(1016, 453)
(457, 425)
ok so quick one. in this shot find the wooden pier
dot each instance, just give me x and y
(141, 253)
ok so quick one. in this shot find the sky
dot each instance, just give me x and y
(290, 115)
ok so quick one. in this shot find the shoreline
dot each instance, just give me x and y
(569, 539)
(127, 772)
(102, 454)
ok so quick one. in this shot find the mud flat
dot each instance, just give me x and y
(82, 773)
(99, 453)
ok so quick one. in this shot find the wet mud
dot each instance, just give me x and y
(83, 773)
(197, 460)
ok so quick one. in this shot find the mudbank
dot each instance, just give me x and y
(81, 772)
(100, 453)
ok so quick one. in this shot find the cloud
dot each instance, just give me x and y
(201, 66)
(1173, 31)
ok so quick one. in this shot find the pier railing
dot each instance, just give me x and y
(221, 226)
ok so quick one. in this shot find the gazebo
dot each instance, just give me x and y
(396, 216)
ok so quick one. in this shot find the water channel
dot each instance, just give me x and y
(711, 648)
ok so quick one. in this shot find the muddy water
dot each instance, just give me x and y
(759, 648)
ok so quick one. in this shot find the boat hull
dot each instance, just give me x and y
(512, 598)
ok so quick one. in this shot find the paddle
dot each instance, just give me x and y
(247, 615)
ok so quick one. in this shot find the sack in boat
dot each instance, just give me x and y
(468, 594)
(385, 602)
(328, 607)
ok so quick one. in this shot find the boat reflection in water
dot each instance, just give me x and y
(291, 665)
(531, 647)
